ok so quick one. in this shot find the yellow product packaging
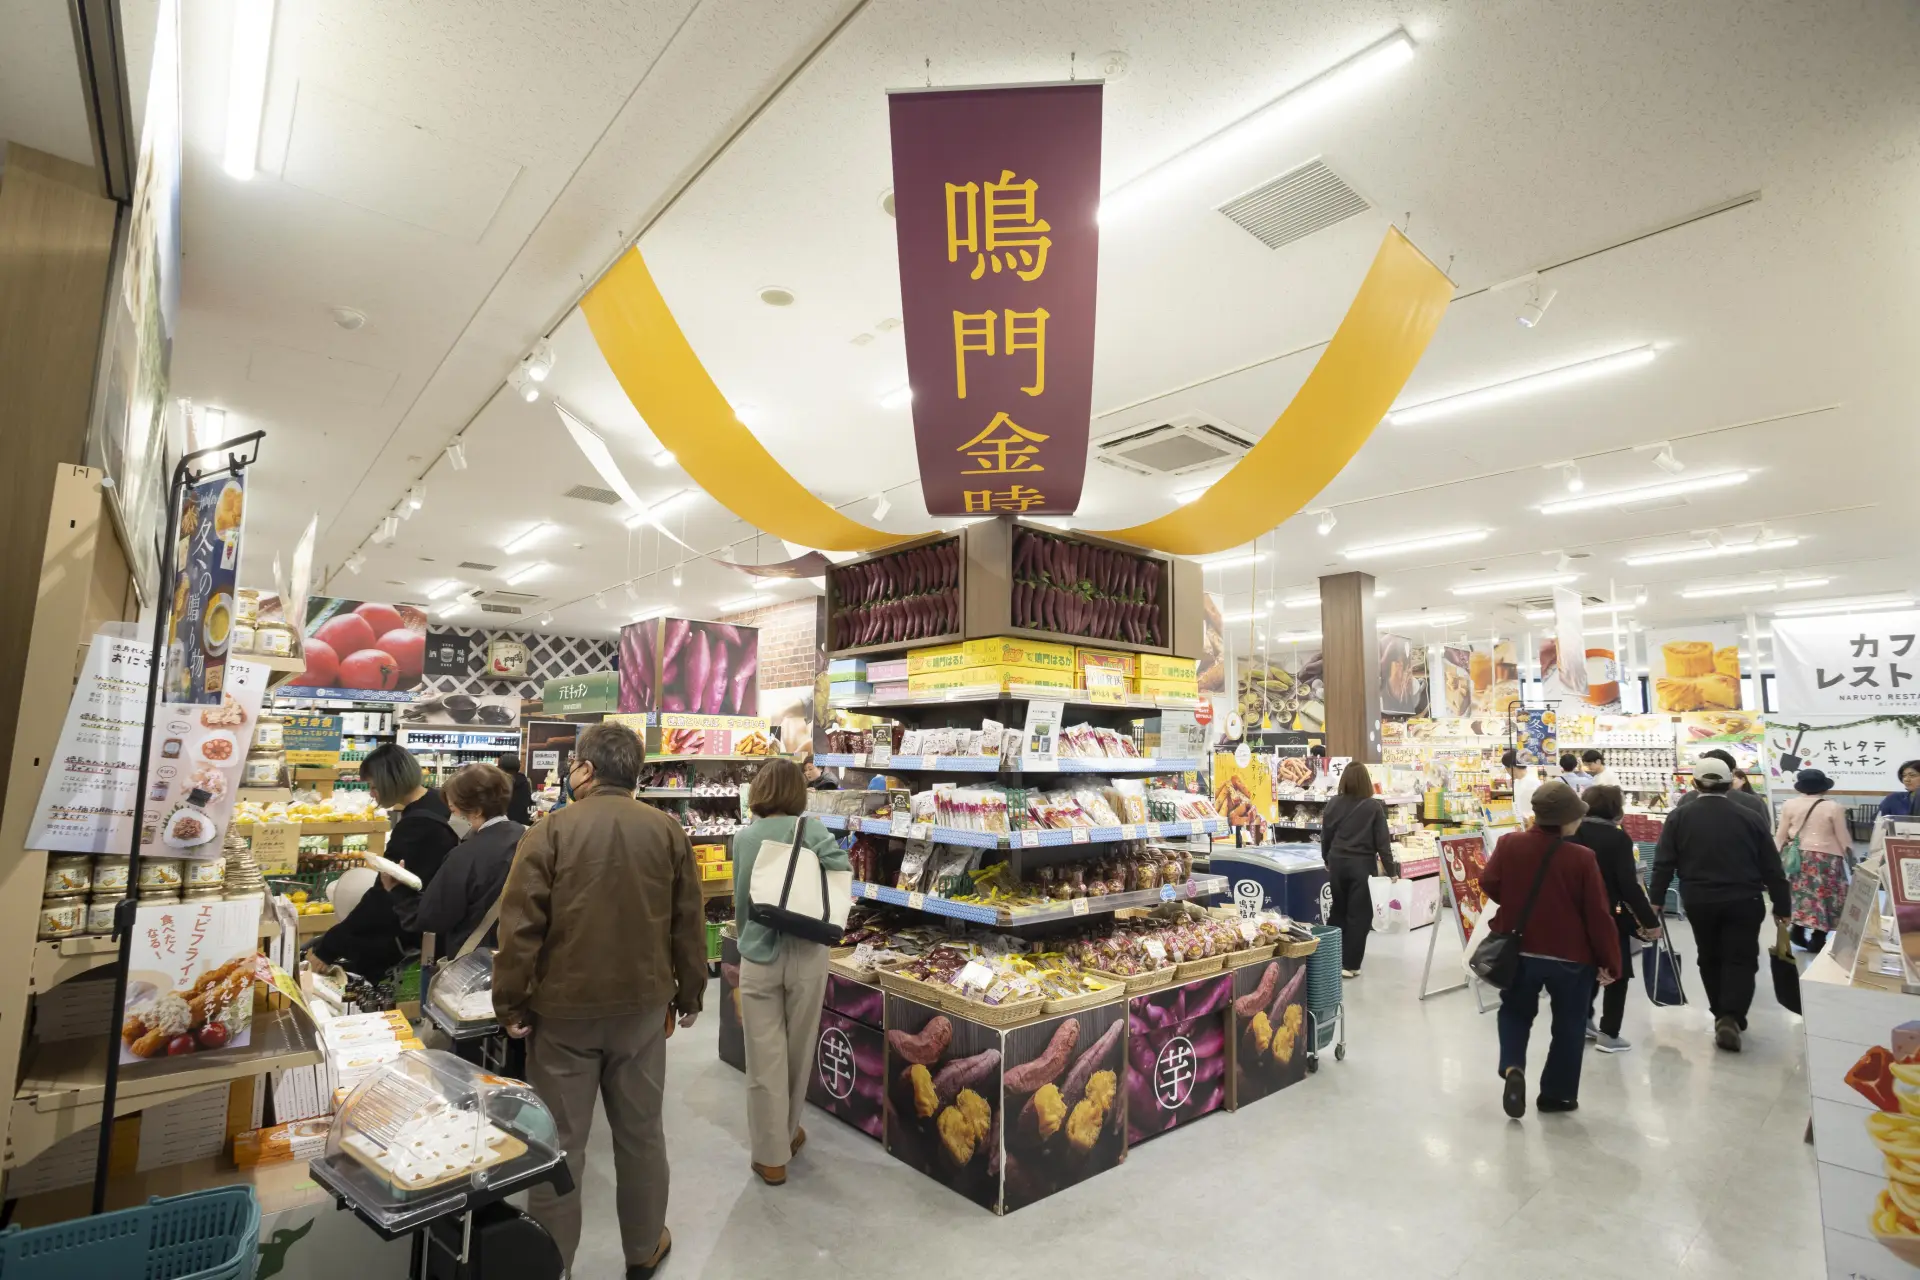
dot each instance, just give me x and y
(996, 676)
(709, 853)
(995, 651)
(1188, 688)
(1124, 663)
(717, 870)
(1047, 677)
(1158, 666)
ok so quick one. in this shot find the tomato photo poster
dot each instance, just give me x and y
(362, 649)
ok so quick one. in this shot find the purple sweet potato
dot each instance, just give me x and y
(964, 1073)
(700, 666)
(1044, 1069)
(673, 702)
(1288, 994)
(743, 687)
(677, 631)
(717, 679)
(1076, 1083)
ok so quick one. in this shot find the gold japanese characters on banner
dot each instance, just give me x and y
(996, 197)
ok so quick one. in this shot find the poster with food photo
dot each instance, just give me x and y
(943, 1112)
(1403, 677)
(1283, 690)
(1741, 734)
(1176, 1055)
(462, 711)
(362, 649)
(1271, 1030)
(1453, 689)
(1495, 676)
(1695, 668)
(1065, 1113)
(194, 765)
(190, 979)
(676, 664)
(849, 1072)
(200, 627)
(1212, 669)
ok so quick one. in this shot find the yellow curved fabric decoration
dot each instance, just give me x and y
(1352, 386)
(672, 390)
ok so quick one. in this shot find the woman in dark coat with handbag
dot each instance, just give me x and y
(1632, 913)
(1354, 841)
(457, 901)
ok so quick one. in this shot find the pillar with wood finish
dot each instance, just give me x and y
(1350, 656)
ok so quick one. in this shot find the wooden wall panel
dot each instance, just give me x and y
(1350, 653)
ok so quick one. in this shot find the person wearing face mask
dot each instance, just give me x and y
(1906, 801)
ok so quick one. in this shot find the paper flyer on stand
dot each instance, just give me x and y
(87, 802)
(190, 979)
(194, 767)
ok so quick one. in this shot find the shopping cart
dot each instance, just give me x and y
(1326, 1010)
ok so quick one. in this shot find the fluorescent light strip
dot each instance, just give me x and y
(648, 615)
(521, 541)
(521, 574)
(247, 84)
(1233, 562)
(745, 602)
(898, 398)
(1549, 380)
(1513, 584)
(1459, 539)
(1249, 616)
(1645, 493)
(1293, 637)
(1423, 620)
(1313, 602)
(445, 589)
(1546, 615)
(1713, 553)
(1751, 588)
(1801, 609)
(1259, 125)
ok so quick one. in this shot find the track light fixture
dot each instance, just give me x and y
(416, 497)
(880, 507)
(1564, 564)
(676, 575)
(1667, 462)
(599, 599)
(546, 619)
(389, 529)
(1325, 526)
(633, 593)
(539, 361)
(1534, 309)
(1570, 475)
(457, 455)
(356, 562)
(525, 386)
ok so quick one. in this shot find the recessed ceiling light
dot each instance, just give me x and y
(1750, 588)
(1379, 549)
(1248, 616)
(1234, 561)
(1546, 615)
(521, 541)
(1547, 380)
(348, 318)
(745, 602)
(1423, 620)
(444, 589)
(1854, 604)
(1644, 493)
(247, 84)
(1513, 584)
(1258, 126)
(776, 296)
(1713, 552)
(525, 572)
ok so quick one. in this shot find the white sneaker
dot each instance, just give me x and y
(1349, 973)
(1611, 1044)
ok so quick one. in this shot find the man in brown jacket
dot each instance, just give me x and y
(602, 943)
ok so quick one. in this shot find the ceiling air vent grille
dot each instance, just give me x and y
(475, 564)
(1173, 448)
(588, 493)
(514, 609)
(1295, 205)
(509, 602)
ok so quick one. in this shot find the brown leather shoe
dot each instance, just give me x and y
(773, 1175)
(645, 1270)
(799, 1139)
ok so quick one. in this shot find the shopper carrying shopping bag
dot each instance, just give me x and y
(783, 974)
(1725, 858)
(603, 941)
(1814, 842)
(1554, 921)
(1356, 843)
(1633, 915)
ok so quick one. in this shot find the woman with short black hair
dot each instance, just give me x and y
(1627, 901)
(1355, 842)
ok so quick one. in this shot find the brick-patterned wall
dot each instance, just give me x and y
(789, 640)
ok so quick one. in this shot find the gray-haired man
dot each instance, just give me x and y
(602, 943)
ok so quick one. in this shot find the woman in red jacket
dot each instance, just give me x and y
(1569, 942)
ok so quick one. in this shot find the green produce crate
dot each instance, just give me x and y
(713, 941)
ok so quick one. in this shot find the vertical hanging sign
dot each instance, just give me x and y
(996, 204)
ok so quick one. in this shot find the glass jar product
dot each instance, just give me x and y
(205, 871)
(246, 606)
(243, 638)
(171, 748)
(160, 873)
(63, 917)
(110, 873)
(262, 769)
(100, 912)
(153, 897)
(204, 893)
(69, 873)
(274, 639)
(270, 735)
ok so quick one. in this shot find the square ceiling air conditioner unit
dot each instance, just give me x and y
(1175, 448)
(507, 602)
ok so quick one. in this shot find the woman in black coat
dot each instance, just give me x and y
(456, 903)
(370, 940)
(520, 803)
(1354, 842)
(1632, 913)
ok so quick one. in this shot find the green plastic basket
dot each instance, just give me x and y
(1323, 969)
(208, 1235)
(713, 940)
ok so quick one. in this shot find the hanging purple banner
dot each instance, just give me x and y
(996, 197)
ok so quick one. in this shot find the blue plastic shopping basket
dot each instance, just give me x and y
(209, 1235)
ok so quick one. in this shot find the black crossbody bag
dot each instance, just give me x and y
(1497, 960)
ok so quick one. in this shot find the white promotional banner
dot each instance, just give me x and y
(1563, 654)
(1860, 753)
(1863, 664)
(1694, 668)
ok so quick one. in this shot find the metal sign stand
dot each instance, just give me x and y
(124, 915)
(1479, 988)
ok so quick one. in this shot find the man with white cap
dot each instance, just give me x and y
(1725, 858)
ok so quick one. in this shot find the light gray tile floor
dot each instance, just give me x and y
(1398, 1162)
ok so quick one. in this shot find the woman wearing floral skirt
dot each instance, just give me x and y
(1820, 881)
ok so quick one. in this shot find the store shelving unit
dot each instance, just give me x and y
(1007, 917)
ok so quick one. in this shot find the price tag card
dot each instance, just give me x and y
(1079, 906)
(976, 976)
(859, 759)
(276, 847)
(902, 827)
(1105, 685)
(1029, 839)
(746, 810)
(1249, 930)
(1082, 835)
(917, 901)
(1129, 831)
(920, 831)
(1156, 948)
(1168, 893)
(1153, 831)
(873, 890)
(880, 754)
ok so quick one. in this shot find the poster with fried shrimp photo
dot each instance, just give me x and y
(190, 982)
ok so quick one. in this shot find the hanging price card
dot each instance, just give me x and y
(1079, 906)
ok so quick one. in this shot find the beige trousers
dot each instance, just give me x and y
(623, 1062)
(780, 1013)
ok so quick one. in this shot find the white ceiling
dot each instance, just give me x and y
(40, 102)
(460, 175)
